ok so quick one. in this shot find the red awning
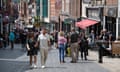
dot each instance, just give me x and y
(85, 23)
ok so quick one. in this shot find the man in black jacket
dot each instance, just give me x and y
(74, 46)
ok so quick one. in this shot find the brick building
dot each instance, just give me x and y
(65, 10)
(27, 12)
(75, 8)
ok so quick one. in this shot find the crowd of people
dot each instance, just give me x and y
(68, 44)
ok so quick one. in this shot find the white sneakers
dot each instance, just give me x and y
(43, 67)
(33, 66)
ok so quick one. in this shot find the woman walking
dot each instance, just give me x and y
(32, 50)
(61, 45)
(83, 46)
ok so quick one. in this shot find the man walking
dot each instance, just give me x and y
(74, 46)
(44, 43)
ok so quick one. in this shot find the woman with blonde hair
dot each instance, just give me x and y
(61, 42)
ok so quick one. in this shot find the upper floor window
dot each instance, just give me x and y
(98, 2)
(87, 1)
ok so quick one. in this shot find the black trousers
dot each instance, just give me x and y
(84, 52)
(103, 52)
(12, 44)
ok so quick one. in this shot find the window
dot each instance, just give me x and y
(86, 1)
(45, 8)
(38, 7)
(93, 13)
(98, 2)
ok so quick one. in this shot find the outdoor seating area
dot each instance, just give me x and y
(112, 52)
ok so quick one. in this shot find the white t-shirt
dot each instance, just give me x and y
(43, 40)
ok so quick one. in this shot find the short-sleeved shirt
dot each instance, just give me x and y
(43, 40)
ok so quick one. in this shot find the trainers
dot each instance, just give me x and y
(43, 67)
(34, 66)
(73, 61)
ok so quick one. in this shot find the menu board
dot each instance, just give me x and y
(116, 47)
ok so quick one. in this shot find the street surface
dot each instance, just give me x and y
(17, 61)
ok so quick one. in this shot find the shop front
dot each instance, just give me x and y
(95, 13)
(110, 24)
(110, 17)
(67, 24)
(54, 25)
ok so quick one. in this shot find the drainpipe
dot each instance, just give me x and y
(103, 22)
(117, 21)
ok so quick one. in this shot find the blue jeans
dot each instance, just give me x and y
(61, 52)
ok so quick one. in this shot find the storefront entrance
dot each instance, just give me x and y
(110, 24)
(97, 28)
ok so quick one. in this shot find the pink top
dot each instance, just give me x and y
(61, 40)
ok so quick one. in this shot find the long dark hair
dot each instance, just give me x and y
(30, 35)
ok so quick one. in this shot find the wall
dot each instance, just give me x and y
(52, 8)
(84, 5)
(111, 2)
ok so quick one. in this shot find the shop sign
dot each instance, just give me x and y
(86, 1)
(94, 13)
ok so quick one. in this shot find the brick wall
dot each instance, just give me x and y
(52, 8)
(111, 2)
(9, 7)
(75, 8)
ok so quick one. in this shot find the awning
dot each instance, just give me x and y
(85, 23)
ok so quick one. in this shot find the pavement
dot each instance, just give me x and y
(16, 60)
(109, 63)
